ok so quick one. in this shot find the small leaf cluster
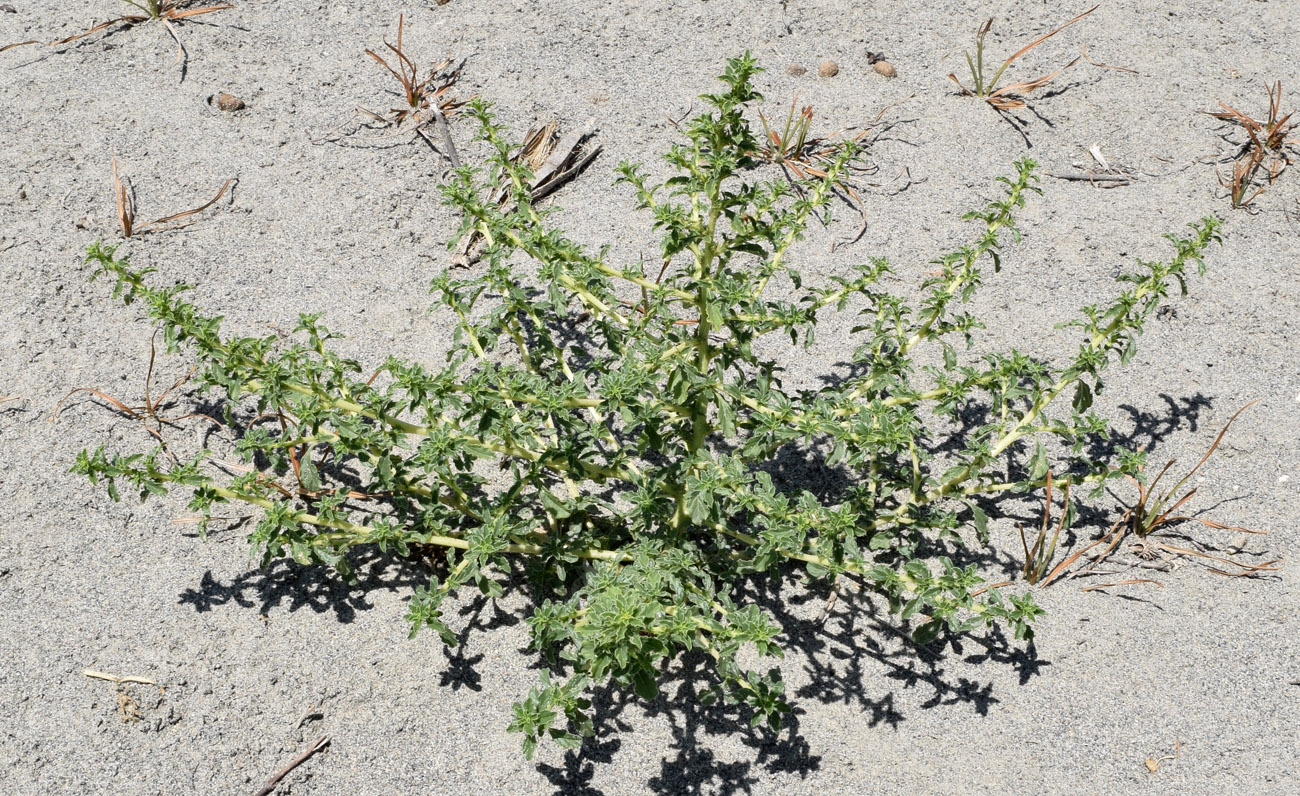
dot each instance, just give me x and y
(608, 430)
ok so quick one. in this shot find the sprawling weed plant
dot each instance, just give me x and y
(614, 434)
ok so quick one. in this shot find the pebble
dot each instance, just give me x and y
(229, 102)
(795, 70)
(828, 69)
(884, 68)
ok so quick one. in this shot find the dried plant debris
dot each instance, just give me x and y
(124, 194)
(166, 12)
(128, 710)
(1010, 96)
(149, 413)
(1105, 175)
(1267, 151)
(1038, 557)
(803, 156)
(1149, 524)
(424, 99)
(422, 95)
(552, 159)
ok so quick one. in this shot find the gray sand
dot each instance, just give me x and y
(255, 665)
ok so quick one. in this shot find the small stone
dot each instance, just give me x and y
(828, 69)
(884, 68)
(229, 102)
(795, 70)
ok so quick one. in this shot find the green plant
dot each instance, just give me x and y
(1007, 97)
(612, 436)
(1039, 557)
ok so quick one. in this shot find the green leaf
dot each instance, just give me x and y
(1082, 397)
(645, 684)
(928, 632)
(981, 522)
(1038, 462)
(308, 475)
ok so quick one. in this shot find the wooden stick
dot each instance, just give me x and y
(319, 744)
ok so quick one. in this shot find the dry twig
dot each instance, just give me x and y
(317, 745)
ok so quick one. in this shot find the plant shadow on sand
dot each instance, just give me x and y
(287, 584)
(837, 656)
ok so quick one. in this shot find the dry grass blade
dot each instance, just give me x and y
(429, 94)
(1154, 511)
(164, 11)
(159, 225)
(1004, 97)
(1190, 473)
(174, 14)
(1040, 40)
(149, 410)
(1039, 557)
(1073, 557)
(133, 413)
(1083, 49)
(1246, 569)
(1247, 573)
(112, 678)
(127, 21)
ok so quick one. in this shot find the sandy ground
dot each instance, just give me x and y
(253, 665)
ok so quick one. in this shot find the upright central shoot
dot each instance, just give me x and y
(612, 428)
